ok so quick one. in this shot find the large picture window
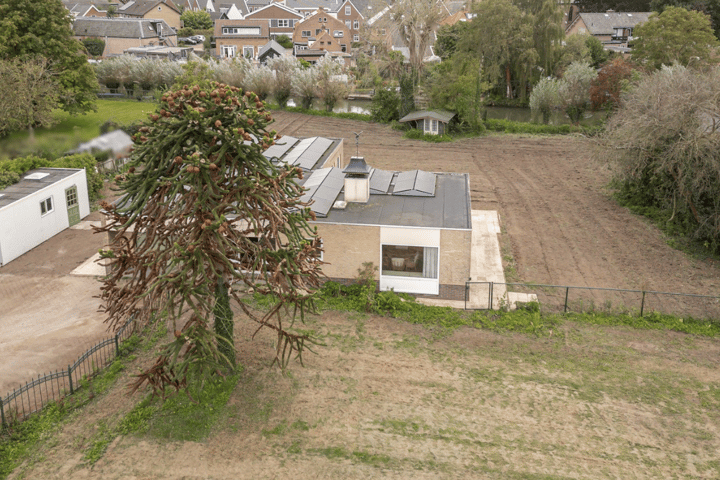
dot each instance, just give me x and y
(408, 261)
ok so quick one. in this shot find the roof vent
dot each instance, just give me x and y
(36, 176)
(340, 205)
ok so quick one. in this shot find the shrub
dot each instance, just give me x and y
(385, 105)
(8, 178)
(21, 165)
(416, 134)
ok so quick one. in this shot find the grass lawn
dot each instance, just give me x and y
(70, 131)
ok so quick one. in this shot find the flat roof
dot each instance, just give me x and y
(448, 208)
(26, 187)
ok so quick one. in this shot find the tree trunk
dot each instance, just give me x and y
(224, 322)
(507, 81)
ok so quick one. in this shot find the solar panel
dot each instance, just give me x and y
(380, 181)
(425, 182)
(280, 148)
(298, 150)
(313, 153)
(317, 177)
(405, 181)
(326, 192)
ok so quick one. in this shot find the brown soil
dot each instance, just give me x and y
(476, 404)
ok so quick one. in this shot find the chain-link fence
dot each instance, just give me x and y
(37, 393)
(564, 298)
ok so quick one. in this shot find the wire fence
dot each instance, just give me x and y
(564, 298)
(37, 393)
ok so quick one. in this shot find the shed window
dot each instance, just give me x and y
(46, 206)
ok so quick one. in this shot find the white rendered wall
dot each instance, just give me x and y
(414, 237)
(23, 227)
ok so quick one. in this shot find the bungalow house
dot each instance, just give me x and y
(120, 34)
(152, 9)
(613, 29)
(433, 122)
(416, 226)
(43, 203)
(240, 37)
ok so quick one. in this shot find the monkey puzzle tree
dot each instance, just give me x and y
(206, 215)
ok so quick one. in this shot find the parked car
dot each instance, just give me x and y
(198, 38)
(187, 40)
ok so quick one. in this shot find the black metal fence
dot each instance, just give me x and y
(35, 394)
(564, 298)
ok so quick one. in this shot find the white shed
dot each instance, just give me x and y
(42, 204)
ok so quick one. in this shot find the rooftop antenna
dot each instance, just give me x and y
(357, 143)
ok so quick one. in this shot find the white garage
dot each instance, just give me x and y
(42, 204)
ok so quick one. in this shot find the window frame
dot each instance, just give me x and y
(47, 206)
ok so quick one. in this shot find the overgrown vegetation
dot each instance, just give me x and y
(529, 318)
(664, 146)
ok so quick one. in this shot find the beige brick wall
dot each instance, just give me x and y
(347, 247)
(455, 256)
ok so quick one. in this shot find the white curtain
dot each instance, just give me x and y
(430, 262)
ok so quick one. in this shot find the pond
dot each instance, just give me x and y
(502, 113)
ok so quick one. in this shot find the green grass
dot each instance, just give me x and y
(71, 130)
(528, 318)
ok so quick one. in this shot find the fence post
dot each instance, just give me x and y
(491, 295)
(117, 345)
(567, 292)
(467, 293)
(642, 305)
(70, 378)
(3, 423)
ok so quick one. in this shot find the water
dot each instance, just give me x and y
(506, 113)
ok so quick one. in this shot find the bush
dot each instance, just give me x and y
(94, 46)
(385, 105)
(509, 126)
(8, 178)
(416, 134)
(21, 165)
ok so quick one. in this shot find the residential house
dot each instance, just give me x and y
(241, 37)
(352, 18)
(152, 9)
(311, 28)
(86, 9)
(613, 29)
(42, 204)
(415, 226)
(229, 11)
(254, 5)
(270, 50)
(120, 34)
(282, 19)
(432, 122)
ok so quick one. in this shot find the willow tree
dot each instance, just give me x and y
(206, 216)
